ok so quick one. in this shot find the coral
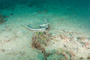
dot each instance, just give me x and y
(42, 37)
(36, 44)
(39, 41)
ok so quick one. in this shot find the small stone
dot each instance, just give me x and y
(88, 57)
(81, 57)
(81, 38)
(2, 50)
(65, 46)
(53, 42)
(7, 41)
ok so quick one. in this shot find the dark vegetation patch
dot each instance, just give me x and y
(40, 40)
(2, 20)
(38, 4)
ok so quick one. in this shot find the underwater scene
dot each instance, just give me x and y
(44, 29)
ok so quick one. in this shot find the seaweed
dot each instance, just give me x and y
(61, 50)
(56, 56)
(42, 37)
(39, 41)
(36, 44)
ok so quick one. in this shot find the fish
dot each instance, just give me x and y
(43, 25)
(33, 29)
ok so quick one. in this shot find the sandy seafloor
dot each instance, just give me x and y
(70, 21)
